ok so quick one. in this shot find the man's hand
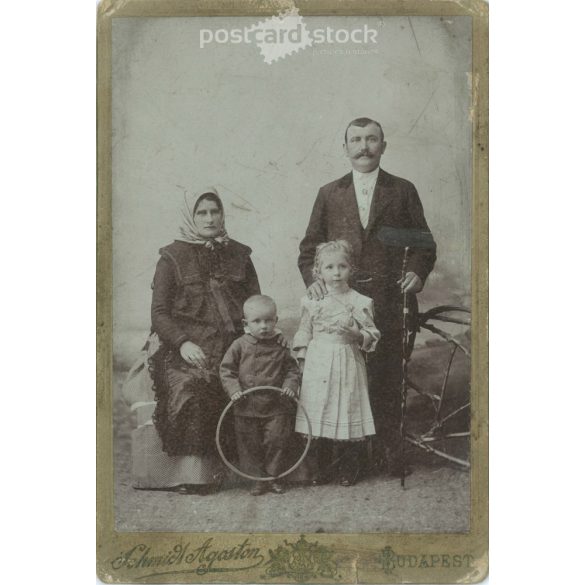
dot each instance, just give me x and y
(288, 392)
(236, 396)
(317, 290)
(411, 283)
(193, 355)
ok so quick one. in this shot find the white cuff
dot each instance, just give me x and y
(368, 340)
(301, 353)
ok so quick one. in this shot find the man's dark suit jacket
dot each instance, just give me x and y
(335, 215)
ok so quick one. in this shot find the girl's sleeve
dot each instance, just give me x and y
(365, 319)
(291, 376)
(305, 332)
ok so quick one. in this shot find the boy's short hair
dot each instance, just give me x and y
(255, 300)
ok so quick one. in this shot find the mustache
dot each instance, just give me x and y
(364, 153)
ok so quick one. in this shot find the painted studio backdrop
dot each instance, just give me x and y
(269, 135)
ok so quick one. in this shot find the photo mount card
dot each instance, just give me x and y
(264, 104)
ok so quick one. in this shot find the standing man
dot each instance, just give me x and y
(359, 208)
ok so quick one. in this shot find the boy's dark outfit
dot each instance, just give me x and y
(264, 420)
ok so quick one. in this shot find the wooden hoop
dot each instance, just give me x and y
(241, 473)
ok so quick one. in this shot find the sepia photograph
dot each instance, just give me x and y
(292, 248)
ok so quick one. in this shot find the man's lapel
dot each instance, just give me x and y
(379, 201)
(349, 208)
(347, 200)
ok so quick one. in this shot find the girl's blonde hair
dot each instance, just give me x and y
(342, 246)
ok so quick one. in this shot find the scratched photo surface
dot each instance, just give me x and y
(268, 136)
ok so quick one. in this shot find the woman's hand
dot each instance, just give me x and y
(352, 332)
(193, 355)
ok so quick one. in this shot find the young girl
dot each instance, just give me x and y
(332, 334)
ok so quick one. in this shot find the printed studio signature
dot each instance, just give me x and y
(188, 558)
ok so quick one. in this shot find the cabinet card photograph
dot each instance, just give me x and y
(292, 291)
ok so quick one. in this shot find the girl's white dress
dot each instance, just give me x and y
(334, 390)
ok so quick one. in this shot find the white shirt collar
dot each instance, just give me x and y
(366, 177)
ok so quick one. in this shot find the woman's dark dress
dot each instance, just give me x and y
(198, 294)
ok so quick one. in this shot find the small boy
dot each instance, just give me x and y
(264, 421)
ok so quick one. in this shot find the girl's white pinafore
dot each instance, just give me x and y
(334, 390)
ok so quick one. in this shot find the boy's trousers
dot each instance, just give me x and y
(263, 443)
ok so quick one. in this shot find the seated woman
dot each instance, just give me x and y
(201, 282)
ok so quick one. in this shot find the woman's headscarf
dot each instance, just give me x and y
(188, 231)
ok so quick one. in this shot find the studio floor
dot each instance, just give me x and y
(436, 497)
